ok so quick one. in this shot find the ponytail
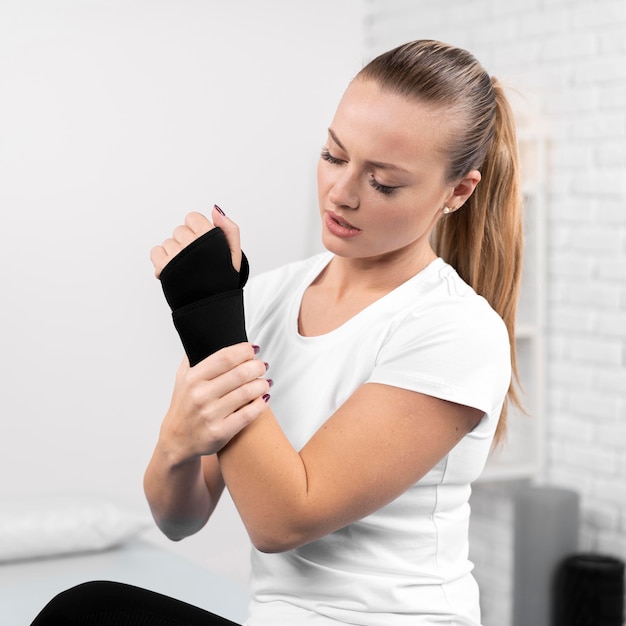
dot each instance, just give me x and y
(484, 240)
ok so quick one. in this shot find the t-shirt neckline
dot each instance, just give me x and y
(320, 263)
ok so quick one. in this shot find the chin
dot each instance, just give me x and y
(339, 247)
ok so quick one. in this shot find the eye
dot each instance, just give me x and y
(327, 156)
(385, 189)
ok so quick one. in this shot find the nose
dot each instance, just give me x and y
(344, 191)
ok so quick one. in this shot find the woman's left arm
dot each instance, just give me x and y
(371, 450)
(381, 441)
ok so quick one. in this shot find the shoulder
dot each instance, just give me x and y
(460, 308)
(447, 342)
(441, 305)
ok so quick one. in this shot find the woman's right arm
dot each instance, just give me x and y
(211, 403)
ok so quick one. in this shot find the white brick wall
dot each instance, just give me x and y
(567, 58)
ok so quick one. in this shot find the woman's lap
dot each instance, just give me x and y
(103, 603)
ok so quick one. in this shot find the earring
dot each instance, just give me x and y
(446, 210)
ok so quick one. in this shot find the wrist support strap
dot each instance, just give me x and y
(203, 269)
(205, 293)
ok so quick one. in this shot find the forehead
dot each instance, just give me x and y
(389, 126)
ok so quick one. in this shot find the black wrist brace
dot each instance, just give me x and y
(205, 293)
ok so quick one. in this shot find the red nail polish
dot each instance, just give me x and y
(267, 366)
(256, 349)
(219, 210)
(266, 397)
(270, 382)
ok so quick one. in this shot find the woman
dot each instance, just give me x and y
(391, 355)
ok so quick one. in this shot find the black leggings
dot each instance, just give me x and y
(117, 604)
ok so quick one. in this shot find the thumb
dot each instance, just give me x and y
(231, 232)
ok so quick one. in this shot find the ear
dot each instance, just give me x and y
(464, 189)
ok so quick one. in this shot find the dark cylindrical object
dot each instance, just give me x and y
(589, 591)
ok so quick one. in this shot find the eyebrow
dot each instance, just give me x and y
(377, 164)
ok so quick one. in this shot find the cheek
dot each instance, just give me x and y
(406, 222)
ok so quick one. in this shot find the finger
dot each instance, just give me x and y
(224, 360)
(237, 378)
(171, 247)
(227, 393)
(236, 421)
(231, 231)
(198, 223)
(163, 254)
(159, 259)
(184, 235)
(241, 396)
(244, 416)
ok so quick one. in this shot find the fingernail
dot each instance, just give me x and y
(270, 382)
(267, 366)
(266, 397)
(256, 349)
(219, 210)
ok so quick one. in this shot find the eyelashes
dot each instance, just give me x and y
(327, 156)
(384, 189)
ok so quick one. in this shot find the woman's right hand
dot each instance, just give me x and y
(212, 402)
(194, 227)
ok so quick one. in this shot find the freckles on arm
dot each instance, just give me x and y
(355, 464)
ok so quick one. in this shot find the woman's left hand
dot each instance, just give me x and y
(195, 226)
(213, 401)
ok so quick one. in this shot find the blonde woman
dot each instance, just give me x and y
(391, 357)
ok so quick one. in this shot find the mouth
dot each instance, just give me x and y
(342, 223)
(340, 227)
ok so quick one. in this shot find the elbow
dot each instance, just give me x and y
(174, 533)
(279, 539)
(177, 530)
(270, 547)
(273, 545)
(291, 528)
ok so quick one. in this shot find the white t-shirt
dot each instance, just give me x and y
(407, 563)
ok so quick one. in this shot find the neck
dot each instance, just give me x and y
(376, 275)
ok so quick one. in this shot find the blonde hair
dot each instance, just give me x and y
(483, 241)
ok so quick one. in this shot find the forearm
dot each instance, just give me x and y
(268, 481)
(351, 467)
(178, 495)
(211, 403)
(203, 271)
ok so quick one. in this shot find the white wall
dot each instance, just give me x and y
(116, 118)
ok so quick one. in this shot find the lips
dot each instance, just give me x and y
(340, 227)
(342, 222)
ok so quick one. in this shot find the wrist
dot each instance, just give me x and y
(174, 455)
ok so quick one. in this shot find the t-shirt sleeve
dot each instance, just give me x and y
(458, 351)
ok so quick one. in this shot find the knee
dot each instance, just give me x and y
(72, 603)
